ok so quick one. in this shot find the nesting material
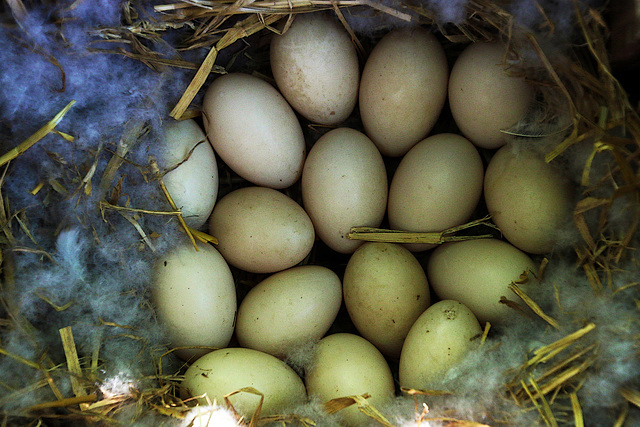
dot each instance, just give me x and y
(95, 359)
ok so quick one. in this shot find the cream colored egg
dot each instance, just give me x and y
(403, 89)
(344, 185)
(385, 290)
(347, 365)
(253, 130)
(437, 185)
(195, 298)
(261, 230)
(529, 200)
(315, 66)
(193, 178)
(478, 273)
(288, 309)
(230, 369)
(438, 341)
(484, 97)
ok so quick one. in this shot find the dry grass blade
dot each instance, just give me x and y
(416, 392)
(544, 408)
(546, 352)
(340, 403)
(195, 85)
(20, 359)
(454, 422)
(485, 333)
(156, 171)
(242, 29)
(107, 205)
(133, 134)
(73, 363)
(578, 418)
(133, 221)
(288, 418)
(203, 237)
(63, 403)
(549, 373)
(371, 234)
(33, 139)
(18, 10)
(564, 376)
(632, 396)
(40, 294)
(251, 390)
(534, 306)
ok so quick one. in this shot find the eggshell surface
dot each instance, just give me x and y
(346, 365)
(478, 273)
(385, 290)
(441, 337)
(288, 309)
(227, 370)
(261, 230)
(315, 66)
(253, 130)
(529, 200)
(484, 98)
(193, 184)
(403, 89)
(344, 185)
(195, 298)
(437, 185)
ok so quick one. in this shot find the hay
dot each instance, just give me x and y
(548, 381)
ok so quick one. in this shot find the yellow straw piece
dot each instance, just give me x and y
(33, 139)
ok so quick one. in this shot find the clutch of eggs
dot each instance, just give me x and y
(438, 183)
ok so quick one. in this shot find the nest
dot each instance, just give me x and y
(575, 80)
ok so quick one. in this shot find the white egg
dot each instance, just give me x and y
(225, 371)
(478, 274)
(344, 185)
(195, 298)
(288, 309)
(437, 185)
(315, 66)
(484, 98)
(261, 230)
(385, 290)
(403, 89)
(253, 130)
(347, 365)
(441, 337)
(529, 199)
(193, 180)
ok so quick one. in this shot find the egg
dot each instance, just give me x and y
(230, 369)
(484, 97)
(478, 273)
(385, 290)
(288, 309)
(403, 89)
(438, 341)
(192, 180)
(347, 365)
(344, 185)
(253, 130)
(437, 185)
(261, 230)
(315, 66)
(195, 298)
(529, 199)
